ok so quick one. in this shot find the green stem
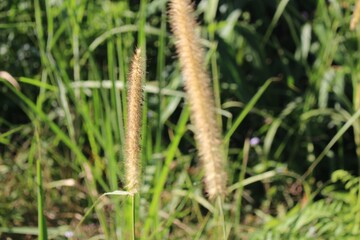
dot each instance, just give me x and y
(221, 217)
(133, 216)
(239, 193)
(40, 193)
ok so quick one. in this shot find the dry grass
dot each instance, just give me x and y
(7, 76)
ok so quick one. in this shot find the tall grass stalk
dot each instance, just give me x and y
(221, 218)
(133, 131)
(201, 102)
(239, 192)
(43, 235)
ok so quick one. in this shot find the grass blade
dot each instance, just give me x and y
(247, 109)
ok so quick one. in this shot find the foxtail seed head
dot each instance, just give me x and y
(132, 140)
(356, 16)
(199, 97)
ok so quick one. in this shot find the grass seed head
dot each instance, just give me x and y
(199, 96)
(356, 16)
(133, 131)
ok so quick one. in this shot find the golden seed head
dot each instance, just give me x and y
(356, 16)
(199, 96)
(133, 131)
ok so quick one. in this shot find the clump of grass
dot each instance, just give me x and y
(199, 97)
(132, 146)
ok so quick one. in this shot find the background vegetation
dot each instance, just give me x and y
(287, 84)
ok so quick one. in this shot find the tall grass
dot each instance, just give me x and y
(285, 87)
(133, 129)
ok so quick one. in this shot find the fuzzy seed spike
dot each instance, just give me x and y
(132, 146)
(199, 96)
(356, 16)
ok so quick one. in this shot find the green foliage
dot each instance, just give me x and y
(336, 216)
(285, 73)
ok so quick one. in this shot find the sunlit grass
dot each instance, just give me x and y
(285, 80)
